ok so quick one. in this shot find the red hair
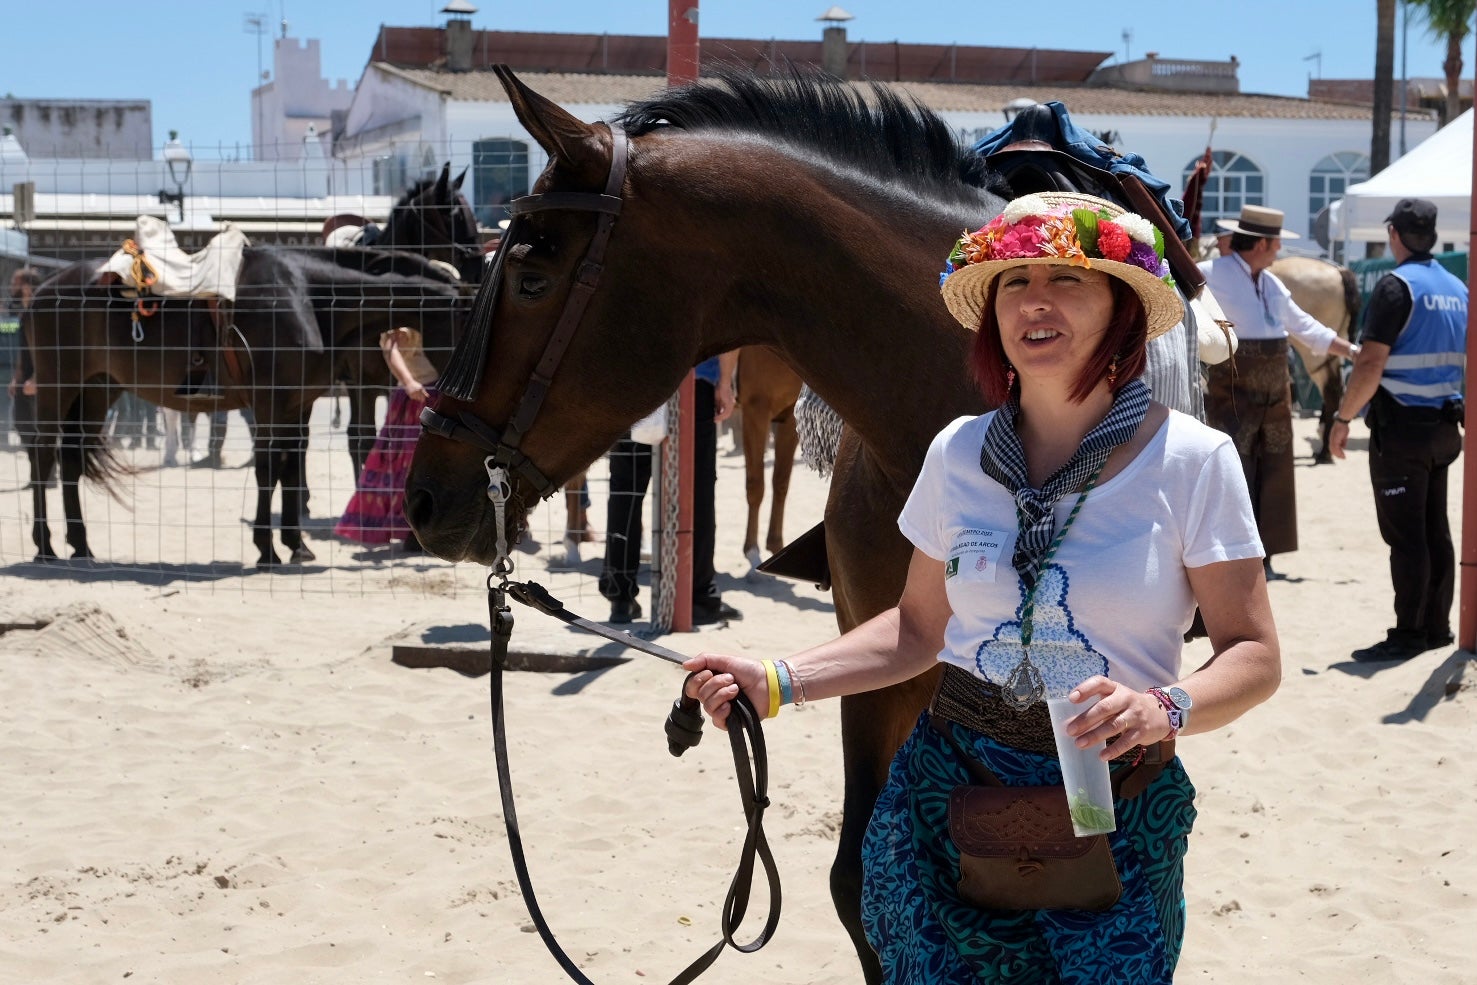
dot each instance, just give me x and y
(1126, 337)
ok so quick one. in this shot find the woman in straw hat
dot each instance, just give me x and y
(1062, 544)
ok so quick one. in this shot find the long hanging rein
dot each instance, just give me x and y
(684, 729)
(504, 461)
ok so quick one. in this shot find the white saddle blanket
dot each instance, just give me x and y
(211, 272)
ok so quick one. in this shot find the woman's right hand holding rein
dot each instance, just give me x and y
(717, 678)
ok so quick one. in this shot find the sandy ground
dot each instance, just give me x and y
(217, 776)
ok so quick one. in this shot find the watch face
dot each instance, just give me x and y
(1181, 698)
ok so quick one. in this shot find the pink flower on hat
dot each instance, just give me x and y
(1022, 240)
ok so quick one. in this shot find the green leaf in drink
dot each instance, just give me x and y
(1087, 815)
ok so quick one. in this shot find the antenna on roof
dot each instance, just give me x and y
(1127, 37)
(1318, 57)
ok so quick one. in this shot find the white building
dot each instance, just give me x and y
(298, 102)
(1293, 154)
(426, 97)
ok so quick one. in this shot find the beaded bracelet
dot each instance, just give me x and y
(771, 674)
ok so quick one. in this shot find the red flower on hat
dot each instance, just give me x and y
(1112, 242)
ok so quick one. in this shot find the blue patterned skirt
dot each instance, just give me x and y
(925, 935)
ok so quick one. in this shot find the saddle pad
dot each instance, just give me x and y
(211, 272)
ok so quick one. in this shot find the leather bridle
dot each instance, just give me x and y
(461, 380)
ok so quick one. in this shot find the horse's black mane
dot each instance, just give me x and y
(415, 191)
(888, 136)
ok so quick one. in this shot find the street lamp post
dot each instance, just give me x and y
(177, 158)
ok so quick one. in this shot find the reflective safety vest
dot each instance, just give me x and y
(1426, 362)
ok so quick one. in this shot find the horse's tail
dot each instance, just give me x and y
(99, 464)
(1351, 298)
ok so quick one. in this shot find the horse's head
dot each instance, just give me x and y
(433, 218)
(564, 348)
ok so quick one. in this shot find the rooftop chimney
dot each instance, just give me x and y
(833, 41)
(459, 38)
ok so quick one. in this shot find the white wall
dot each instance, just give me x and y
(298, 96)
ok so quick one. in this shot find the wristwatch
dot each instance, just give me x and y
(1177, 703)
(1346, 421)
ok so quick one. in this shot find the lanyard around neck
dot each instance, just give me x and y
(1028, 610)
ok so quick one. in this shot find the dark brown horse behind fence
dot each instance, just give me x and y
(301, 320)
(787, 213)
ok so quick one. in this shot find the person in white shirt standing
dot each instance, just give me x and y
(1250, 395)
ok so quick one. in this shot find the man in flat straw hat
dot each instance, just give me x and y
(1250, 395)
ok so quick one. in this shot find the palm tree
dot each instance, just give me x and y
(1384, 85)
(1450, 20)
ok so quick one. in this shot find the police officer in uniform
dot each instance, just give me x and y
(1410, 375)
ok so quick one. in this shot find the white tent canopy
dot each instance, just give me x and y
(1438, 169)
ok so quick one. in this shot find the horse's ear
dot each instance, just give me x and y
(573, 144)
(456, 185)
(442, 182)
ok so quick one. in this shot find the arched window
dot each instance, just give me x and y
(1233, 181)
(1331, 177)
(499, 175)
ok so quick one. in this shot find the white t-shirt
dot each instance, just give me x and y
(1116, 599)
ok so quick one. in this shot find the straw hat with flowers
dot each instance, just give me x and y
(1068, 228)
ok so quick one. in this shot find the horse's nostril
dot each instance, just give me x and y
(419, 507)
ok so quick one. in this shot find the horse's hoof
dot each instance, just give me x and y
(83, 554)
(46, 556)
(301, 555)
(572, 557)
(269, 561)
(754, 575)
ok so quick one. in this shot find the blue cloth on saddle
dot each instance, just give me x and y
(707, 370)
(922, 931)
(1087, 148)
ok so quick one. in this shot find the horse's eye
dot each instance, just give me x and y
(532, 286)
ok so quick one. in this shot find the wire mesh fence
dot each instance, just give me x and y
(214, 439)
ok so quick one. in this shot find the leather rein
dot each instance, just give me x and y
(684, 725)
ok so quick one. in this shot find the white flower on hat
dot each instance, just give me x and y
(1139, 229)
(1024, 206)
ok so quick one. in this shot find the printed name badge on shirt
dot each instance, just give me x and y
(975, 554)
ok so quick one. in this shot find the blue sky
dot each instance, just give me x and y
(197, 62)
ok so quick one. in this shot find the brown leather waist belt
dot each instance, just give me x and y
(1261, 347)
(966, 700)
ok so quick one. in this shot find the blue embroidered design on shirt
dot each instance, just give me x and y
(1063, 656)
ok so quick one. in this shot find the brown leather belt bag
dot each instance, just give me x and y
(1017, 850)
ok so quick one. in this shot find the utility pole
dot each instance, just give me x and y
(257, 24)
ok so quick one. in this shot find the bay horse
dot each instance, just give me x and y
(767, 391)
(301, 319)
(790, 213)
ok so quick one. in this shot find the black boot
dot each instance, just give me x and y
(624, 611)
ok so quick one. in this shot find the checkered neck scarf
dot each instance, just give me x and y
(1004, 460)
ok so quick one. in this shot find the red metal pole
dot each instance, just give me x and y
(682, 66)
(1467, 598)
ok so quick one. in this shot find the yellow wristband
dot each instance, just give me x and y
(773, 677)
